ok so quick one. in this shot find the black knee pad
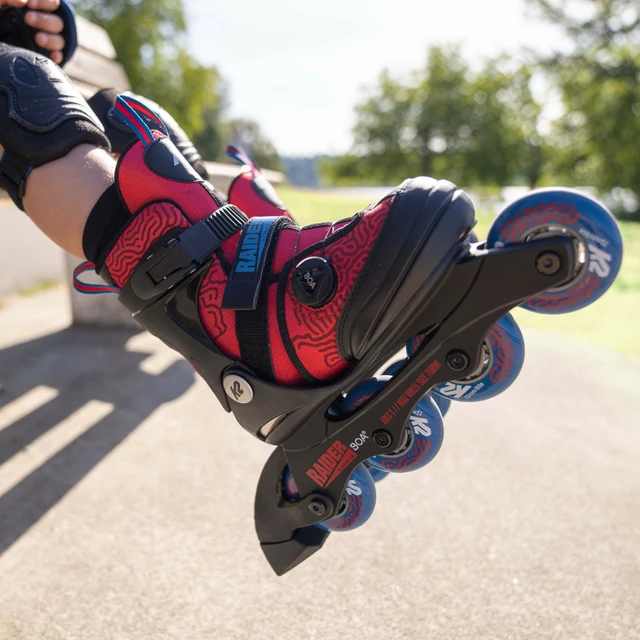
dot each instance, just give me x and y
(42, 117)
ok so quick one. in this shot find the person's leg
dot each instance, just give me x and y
(62, 193)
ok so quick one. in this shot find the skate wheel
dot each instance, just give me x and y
(392, 369)
(596, 237)
(444, 404)
(357, 506)
(503, 357)
(425, 430)
(377, 474)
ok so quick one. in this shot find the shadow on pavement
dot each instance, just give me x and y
(79, 365)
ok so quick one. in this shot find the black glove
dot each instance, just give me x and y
(15, 31)
(121, 136)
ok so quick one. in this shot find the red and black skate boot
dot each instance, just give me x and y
(282, 321)
(295, 306)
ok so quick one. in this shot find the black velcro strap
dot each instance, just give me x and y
(243, 286)
(184, 254)
(13, 177)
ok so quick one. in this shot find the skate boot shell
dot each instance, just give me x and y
(283, 323)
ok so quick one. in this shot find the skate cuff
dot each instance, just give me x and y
(186, 253)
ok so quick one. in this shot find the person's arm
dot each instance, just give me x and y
(40, 16)
(55, 162)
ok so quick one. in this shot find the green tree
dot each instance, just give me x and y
(148, 36)
(596, 140)
(149, 39)
(446, 120)
(247, 134)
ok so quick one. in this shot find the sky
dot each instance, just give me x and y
(299, 67)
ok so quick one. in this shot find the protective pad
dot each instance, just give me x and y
(15, 31)
(42, 117)
(121, 136)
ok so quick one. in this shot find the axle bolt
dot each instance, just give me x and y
(317, 508)
(382, 438)
(548, 263)
(458, 360)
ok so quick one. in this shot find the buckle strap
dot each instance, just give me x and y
(13, 177)
(245, 280)
(186, 253)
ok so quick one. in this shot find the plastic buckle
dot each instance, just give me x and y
(155, 276)
(185, 254)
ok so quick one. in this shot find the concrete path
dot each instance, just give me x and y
(126, 506)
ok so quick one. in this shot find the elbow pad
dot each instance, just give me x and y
(42, 117)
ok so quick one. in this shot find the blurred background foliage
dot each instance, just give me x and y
(483, 127)
(447, 120)
(150, 40)
(477, 125)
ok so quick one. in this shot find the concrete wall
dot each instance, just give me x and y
(27, 257)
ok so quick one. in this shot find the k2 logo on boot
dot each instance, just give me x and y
(238, 389)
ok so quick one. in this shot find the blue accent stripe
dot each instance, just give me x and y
(135, 122)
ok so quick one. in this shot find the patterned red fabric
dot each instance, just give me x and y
(219, 324)
(139, 186)
(292, 240)
(313, 331)
(145, 229)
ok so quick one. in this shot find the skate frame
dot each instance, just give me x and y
(475, 290)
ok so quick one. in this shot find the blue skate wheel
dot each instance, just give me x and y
(392, 369)
(444, 404)
(377, 474)
(425, 430)
(358, 504)
(503, 357)
(596, 236)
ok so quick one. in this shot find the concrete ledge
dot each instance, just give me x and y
(221, 175)
(27, 256)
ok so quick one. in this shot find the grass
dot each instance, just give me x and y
(44, 285)
(611, 322)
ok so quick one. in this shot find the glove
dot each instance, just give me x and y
(15, 31)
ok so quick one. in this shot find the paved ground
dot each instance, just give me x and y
(126, 506)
